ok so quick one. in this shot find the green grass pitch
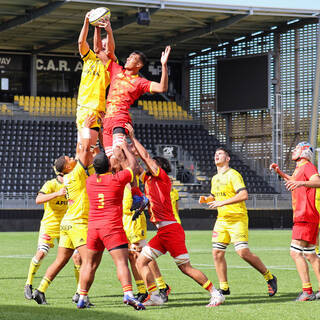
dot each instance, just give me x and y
(248, 299)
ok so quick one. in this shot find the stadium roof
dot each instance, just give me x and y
(43, 26)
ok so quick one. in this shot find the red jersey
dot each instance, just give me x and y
(105, 194)
(124, 90)
(157, 190)
(304, 200)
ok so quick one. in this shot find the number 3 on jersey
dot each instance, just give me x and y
(101, 200)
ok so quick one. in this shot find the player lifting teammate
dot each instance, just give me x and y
(74, 225)
(305, 203)
(105, 228)
(170, 235)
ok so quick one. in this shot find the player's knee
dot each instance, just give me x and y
(218, 251)
(295, 250)
(310, 253)
(182, 260)
(148, 254)
(43, 249)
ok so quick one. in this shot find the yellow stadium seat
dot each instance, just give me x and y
(21, 100)
(16, 99)
(179, 108)
(160, 104)
(165, 103)
(154, 103)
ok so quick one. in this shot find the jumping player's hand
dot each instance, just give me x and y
(165, 55)
(292, 185)
(215, 204)
(130, 129)
(87, 16)
(89, 121)
(273, 166)
(61, 192)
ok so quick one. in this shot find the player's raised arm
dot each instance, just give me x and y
(130, 159)
(84, 149)
(277, 170)
(82, 40)
(43, 197)
(162, 86)
(143, 153)
(107, 45)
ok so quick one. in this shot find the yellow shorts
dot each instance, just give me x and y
(47, 234)
(226, 232)
(73, 235)
(82, 113)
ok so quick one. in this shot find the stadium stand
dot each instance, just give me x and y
(29, 147)
(45, 106)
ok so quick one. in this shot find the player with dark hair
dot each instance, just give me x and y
(74, 225)
(228, 195)
(105, 228)
(170, 235)
(304, 184)
(126, 87)
(52, 195)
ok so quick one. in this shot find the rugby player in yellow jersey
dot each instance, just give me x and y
(94, 78)
(74, 225)
(174, 195)
(52, 195)
(136, 232)
(228, 195)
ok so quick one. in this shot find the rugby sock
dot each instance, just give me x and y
(224, 285)
(136, 192)
(44, 284)
(160, 283)
(152, 288)
(127, 289)
(140, 286)
(317, 250)
(267, 275)
(77, 272)
(208, 286)
(33, 268)
(307, 287)
(83, 294)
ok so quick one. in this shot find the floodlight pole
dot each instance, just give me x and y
(313, 135)
(33, 75)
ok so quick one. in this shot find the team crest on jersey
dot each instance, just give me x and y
(215, 234)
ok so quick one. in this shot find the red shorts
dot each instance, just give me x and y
(108, 125)
(170, 238)
(98, 239)
(305, 231)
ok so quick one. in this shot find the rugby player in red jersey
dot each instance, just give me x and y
(127, 86)
(105, 227)
(305, 203)
(170, 235)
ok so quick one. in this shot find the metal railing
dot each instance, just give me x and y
(16, 200)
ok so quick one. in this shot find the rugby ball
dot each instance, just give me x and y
(97, 14)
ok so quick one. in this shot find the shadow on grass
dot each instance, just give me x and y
(25, 312)
(233, 300)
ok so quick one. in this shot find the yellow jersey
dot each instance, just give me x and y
(78, 201)
(54, 209)
(225, 186)
(135, 230)
(94, 81)
(174, 195)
